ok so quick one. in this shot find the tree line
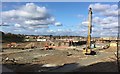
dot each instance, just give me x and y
(9, 37)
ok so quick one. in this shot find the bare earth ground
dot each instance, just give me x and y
(108, 64)
(60, 60)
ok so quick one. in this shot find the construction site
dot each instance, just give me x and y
(61, 54)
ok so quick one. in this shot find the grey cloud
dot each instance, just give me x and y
(110, 13)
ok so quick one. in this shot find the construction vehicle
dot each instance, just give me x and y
(12, 44)
(48, 47)
(87, 50)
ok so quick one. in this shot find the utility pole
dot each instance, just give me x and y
(118, 54)
(89, 28)
(118, 42)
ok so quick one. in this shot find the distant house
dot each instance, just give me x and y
(35, 38)
(29, 38)
(109, 38)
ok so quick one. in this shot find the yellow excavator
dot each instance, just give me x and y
(87, 50)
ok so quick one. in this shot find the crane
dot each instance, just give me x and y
(88, 50)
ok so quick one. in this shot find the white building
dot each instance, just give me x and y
(41, 39)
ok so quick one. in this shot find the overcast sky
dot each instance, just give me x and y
(59, 18)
